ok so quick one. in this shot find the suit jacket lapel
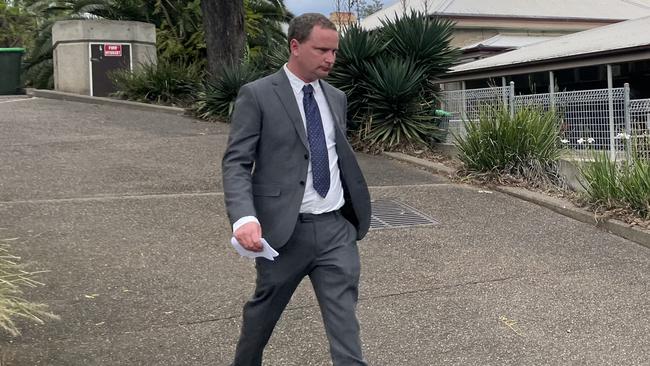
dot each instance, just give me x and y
(283, 89)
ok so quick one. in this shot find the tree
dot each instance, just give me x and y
(367, 8)
(264, 33)
(16, 24)
(225, 37)
(362, 8)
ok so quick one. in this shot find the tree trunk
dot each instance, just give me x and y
(225, 37)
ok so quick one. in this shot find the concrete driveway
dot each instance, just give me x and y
(125, 210)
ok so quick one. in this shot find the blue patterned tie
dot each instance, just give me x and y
(320, 168)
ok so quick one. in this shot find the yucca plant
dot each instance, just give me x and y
(271, 59)
(167, 82)
(358, 50)
(12, 305)
(396, 110)
(525, 145)
(389, 77)
(423, 40)
(217, 98)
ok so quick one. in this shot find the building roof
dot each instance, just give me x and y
(342, 18)
(628, 35)
(612, 10)
(507, 41)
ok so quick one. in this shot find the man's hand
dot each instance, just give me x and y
(249, 236)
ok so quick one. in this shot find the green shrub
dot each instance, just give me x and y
(167, 82)
(271, 60)
(610, 184)
(524, 145)
(600, 179)
(389, 76)
(397, 112)
(217, 98)
(12, 305)
(357, 50)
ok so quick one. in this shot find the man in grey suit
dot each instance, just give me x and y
(291, 177)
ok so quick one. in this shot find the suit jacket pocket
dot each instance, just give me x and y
(266, 190)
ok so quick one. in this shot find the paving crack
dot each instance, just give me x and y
(414, 291)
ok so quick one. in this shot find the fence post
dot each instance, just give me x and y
(551, 89)
(463, 101)
(628, 129)
(610, 97)
(512, 99)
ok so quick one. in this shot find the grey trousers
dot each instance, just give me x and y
(324, 248)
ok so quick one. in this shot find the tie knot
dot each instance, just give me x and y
(308, 90)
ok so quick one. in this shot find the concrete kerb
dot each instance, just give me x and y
(613, 226)
(428, 165)
(51, 94)
(560, 206)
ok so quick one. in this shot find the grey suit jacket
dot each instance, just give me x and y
(265, 164)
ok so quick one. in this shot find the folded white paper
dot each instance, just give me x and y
(267, 252)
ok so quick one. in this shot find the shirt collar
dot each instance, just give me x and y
(297, 84)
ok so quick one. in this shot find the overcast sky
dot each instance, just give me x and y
(316, 6)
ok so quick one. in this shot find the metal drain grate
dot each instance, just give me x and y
(389, 214)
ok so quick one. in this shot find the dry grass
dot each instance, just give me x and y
(13, 277)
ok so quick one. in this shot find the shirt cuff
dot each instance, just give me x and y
(244, 220)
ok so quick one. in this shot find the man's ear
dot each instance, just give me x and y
(293, 46)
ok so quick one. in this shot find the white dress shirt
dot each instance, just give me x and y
(312, 202)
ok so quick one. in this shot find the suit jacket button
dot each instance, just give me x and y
(306, 156)
(302, 182)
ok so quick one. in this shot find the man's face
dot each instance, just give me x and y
(314, 58)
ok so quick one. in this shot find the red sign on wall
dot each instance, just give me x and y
(114, 50)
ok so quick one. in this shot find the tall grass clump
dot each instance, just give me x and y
(12, 305)
(167, 82)
(641, 145)
(522, 146)
(610, 184)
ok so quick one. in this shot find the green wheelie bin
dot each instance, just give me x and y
(10, 66)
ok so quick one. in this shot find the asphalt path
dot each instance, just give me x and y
(125, 210)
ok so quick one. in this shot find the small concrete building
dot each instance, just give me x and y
(85, 51)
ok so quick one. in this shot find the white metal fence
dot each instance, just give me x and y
(465, 105)
(601, 119)
(640, 127)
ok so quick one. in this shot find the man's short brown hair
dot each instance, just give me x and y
(300, 27)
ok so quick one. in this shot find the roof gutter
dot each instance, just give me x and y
(455, 16)
(589, 59)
